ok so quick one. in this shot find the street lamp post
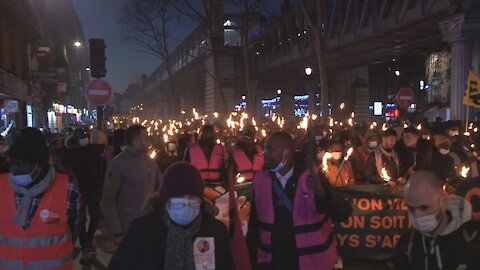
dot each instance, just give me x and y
(280, 110)
(311, 93)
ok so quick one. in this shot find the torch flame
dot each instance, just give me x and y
(384, 126)
(419, 126)
(385, 175)
(215, 114)
(153, 154)
(304, 123)
(195, 113)
(240, 178)
(326, 157)
(349, 152)
(464, 172)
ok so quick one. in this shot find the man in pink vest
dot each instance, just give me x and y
(245, 160)
(292, 213)
(208, 157)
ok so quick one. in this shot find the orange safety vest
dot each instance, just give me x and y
(47, 242)
(210, 170)
(244, 165)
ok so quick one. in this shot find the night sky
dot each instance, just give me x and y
(100, 19)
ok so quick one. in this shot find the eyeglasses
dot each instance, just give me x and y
(182, 205)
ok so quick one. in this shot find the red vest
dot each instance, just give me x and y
(244, 165)
(47, 242)
(314, 235)
(210, 170)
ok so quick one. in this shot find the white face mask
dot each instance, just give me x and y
(83, 142)
(453, 133)
(172, 147)
(123, 148)
(325, 134)
(372, 145)
(282, 163)
(444, 151)
(336, 155)
(425, 224)
(182, 210)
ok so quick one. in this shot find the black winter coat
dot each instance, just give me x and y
(144, 245)
(458, 250)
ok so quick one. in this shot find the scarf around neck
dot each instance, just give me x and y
(21, 216)
(380, 153)
(179, 251)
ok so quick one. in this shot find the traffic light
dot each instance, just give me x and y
(97, 58)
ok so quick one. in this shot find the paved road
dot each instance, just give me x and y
(103, 259)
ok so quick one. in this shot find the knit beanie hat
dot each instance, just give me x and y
(181, 179)
(30, 146)
(441, 139)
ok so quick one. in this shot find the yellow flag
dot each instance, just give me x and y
(472, 93)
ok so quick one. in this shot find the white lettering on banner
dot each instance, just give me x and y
(98, 92)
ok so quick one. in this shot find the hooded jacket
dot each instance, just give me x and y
(456, 248)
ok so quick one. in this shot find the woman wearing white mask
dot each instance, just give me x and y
(339, 172)
(176, 234)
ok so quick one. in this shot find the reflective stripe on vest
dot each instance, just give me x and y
(244, 165)
(314, 237)
(34, 242)
(37, 265)
(10, 264)
(210, 170)
(46, 243)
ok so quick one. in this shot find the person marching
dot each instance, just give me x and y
(292, 212)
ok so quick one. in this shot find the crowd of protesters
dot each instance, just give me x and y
(151, 197)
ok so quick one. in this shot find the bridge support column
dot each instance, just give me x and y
(461, 33)
(219, 92)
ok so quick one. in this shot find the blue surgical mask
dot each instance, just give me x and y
(182, 210)
(23, 179)
(282, 163)
(83, 142)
